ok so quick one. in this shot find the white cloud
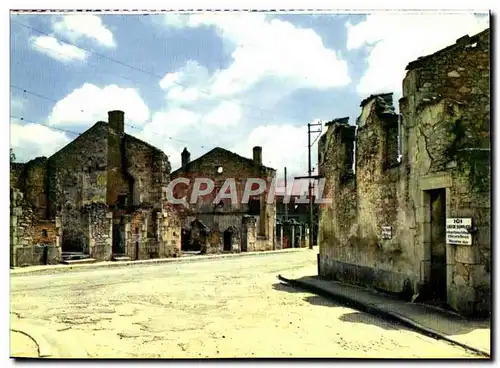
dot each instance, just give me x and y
(394, 40)
(90, 26)
(89, 104)
(176, 20)
(226, 114)
(32, 140)
(266, 67)
(186, 84)
(173, 129)
(282, 145)
(263, 49)
(57, 50)
(17, 106)
(170, 123)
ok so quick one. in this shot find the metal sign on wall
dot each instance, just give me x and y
(386, 232)
(457, 231)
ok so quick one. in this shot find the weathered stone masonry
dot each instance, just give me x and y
(34, 239)
(242, 227)
(444, 172)
(105, 189)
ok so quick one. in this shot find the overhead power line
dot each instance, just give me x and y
(107, 72)
(45, 125)
(154, 74)
(68, 131)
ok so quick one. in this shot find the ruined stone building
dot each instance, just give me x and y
(101, 196)
(292, 221)
(226, 226)
(415, 216)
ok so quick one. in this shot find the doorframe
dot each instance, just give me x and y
(426, 184)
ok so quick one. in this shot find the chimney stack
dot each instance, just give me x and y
(257, 156)
(116, 121)
(185, 157)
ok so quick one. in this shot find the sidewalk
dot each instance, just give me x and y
(49, 269)
(472, 335)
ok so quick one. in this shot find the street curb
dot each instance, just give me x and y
(44, 350)
(379, 312)
(108, 264)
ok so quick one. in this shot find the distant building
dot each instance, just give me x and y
(297, 214)
(226, 226)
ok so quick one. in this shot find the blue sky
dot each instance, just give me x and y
(211, 79)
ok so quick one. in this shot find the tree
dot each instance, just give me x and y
(12, 156)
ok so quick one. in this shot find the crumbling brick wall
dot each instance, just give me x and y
(32, 241)
(34, 238)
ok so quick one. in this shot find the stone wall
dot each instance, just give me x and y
(169, 236)
(99, 230)
(101, 173)
(150, 170)
(136, 236)
(17, 175)
(35, 184)
(218, 224)
(226, 215)
(119, 181)
(77, 177)
(446, 115)
(444, 136)
(31, 179)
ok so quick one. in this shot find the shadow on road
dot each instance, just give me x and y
(426, 315)
(367, 319)
(351, 317)
(280, 286)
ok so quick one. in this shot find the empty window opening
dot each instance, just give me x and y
(44, 233)
(254, 207)
(122, 201)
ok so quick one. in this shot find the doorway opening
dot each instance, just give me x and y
(118, 245)
(437, 281)
(228, 240)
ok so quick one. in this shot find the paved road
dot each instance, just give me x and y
(219, 308)
(22, 345)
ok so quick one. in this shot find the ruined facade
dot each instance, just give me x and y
(105, 191)
(226, 226)
(411, 174)
(292, 221)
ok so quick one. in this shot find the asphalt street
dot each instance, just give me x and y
(218, 308)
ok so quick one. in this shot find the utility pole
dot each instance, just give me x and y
(284, 198)
(309, 171)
